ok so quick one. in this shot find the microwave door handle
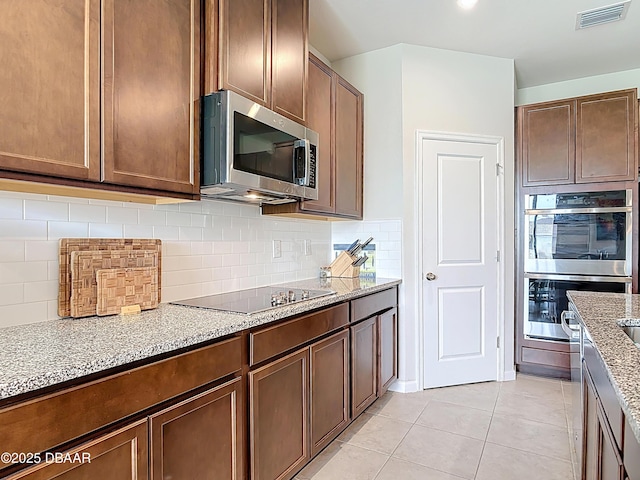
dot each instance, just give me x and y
(304, 145)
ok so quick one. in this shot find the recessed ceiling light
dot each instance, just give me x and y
(467, 4)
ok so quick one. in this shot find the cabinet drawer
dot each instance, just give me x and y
(62, 416)
(546, 357)
(272, 341)
(606, 393)
(365, 307)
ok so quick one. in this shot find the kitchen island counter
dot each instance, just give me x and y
(40, 355)
(603, 314)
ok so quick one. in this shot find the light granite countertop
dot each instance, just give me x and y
(40, 355)
(603, 314)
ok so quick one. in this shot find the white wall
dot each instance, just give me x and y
(442, 91)
(208, 247)
(579, 86)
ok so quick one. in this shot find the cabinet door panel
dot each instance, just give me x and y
(387, 349)
(348, 149)
(319, 114)
(49, 87)
(121, 455)
(329, 389)
(245, 48)
(605, 143)
(548, 143)
(590, 428)
(364, 376)
(200, 437)
(151, 89)
(289, 51)
(610, 464)
(278, 411)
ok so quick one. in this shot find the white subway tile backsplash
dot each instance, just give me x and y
(40, 291)
(45, 210)
(23, 313)
(23, 229)
(208, 247)
(179, 219)
(138, 231)
(105, 230)
(11, 207)
(122, 215)
(12, 251)
(166, 233)
(152, 217)
(41, 250)
(11, 294)
(190, 234)
(67, 229)
(87, 213)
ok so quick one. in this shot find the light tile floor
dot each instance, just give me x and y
(487, 431)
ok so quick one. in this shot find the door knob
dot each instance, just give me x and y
(430, 276)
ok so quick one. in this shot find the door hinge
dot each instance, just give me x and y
(498, 342)
(498, 169)
(497, 255)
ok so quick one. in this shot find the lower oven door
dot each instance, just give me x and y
(546, 299)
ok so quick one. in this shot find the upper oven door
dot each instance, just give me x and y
(582, 234)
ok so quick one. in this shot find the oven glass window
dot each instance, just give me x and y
(581, 236)
(262, 150)
(547, 299)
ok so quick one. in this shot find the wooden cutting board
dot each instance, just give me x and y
(122, 287)
(84, 265)
(68, 245)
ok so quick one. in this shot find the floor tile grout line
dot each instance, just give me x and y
(529, 451)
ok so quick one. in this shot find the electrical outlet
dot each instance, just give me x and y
(277, 249)
(307, 247)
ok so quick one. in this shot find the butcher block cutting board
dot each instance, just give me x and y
(84, 268)
(68, 245)
(122, 287)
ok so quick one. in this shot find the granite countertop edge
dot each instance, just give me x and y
(44, 354)
(603, 314)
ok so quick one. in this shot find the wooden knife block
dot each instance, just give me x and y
(342, 266)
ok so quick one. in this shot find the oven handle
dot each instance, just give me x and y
(572, 330)
(578, 278)
(569, 211)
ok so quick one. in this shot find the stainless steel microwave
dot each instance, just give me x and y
(252, 154)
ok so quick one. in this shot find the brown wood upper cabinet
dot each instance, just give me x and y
(50, 88)
(132, 67)
(579, 140)
(151, 94)
(260, 52)
(335, 111)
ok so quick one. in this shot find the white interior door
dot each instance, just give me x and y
(460, 261)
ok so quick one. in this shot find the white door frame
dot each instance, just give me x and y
(470, 138)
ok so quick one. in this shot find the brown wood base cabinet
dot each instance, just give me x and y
(200, 437)
(374, 348)
(329, 389)
(279, 413)
(298, 404)
(121, 455)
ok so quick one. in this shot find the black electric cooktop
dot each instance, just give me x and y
(254, 300)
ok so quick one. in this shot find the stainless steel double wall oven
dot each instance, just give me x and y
(573, 241)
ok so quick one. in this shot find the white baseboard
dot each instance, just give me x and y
(404, 386)
(509, 375)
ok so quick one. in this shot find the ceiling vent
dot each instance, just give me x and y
(600, 15)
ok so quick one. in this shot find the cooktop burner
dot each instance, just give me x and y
(255, 299)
